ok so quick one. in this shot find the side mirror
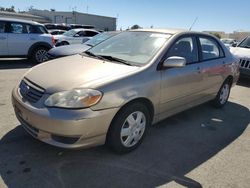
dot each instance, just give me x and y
(234, 44)
(76, 35)
(174, 61)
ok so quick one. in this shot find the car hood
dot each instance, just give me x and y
(77, 72)
(240, 52)
(68, 50)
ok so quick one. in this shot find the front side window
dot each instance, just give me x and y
(90, 33)
(186, 48)
(2, 27)
(210, 49)
(135, 47)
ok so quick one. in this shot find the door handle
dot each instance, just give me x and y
(3, 38)
(198, 69)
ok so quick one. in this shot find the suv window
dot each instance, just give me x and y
(17, 28)
(210, 49)
(185, 47)
(2, 27)
(90, 33)
(40, 29)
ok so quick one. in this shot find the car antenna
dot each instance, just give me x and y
(195, 20)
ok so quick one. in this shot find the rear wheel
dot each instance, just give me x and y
(223, 95)
(128, 128)
(38, 55)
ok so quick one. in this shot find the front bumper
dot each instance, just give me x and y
(63, 127)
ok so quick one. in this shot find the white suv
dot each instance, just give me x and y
(21, 38)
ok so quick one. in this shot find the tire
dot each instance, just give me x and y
(38, 54)
(222, 95)
(125, 134)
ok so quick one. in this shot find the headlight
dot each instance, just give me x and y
(77, 98)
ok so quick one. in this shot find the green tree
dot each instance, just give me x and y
(216, 35)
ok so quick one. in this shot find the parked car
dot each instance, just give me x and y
(75, 36)
(21, 38)
(67, 50)
(52, 26)
(229, 42)
(56, 32)
(242, 52)
(78, 26)
(115, 90)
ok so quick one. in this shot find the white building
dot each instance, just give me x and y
(99, 22)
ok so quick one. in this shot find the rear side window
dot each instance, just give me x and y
(185, 47)
(17, 28)
(210, 49)
(2, 27)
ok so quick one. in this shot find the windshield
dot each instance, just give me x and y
(70, 33)
(135, 47)
(99, 38)
(245, 43)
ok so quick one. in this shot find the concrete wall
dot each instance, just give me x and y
(100, 22)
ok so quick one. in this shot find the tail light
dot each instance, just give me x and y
(53, 40)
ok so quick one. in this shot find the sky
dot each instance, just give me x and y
(213, 15)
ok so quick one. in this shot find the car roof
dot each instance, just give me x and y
(171, 31)
(82, 29)
(20, 21)
(167, 31)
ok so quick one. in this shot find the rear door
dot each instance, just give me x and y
(182, 85)
(3, 39)
(212, 64)
(19, 38)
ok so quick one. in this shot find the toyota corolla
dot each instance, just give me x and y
(113, 92)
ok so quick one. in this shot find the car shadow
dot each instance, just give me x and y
(171, 149)
(15, 63)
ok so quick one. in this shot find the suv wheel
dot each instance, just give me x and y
(39, 54)
(128, 128)
(223, 95)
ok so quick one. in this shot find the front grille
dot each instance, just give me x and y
(244, 63)
(30, 91)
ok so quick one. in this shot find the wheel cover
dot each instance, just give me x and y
(224, 94)
(40, 55)
(133, 129)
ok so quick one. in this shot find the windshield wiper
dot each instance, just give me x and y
(94, 55)
(89, 45)
(112, 58)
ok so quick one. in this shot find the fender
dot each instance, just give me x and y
(37, 44)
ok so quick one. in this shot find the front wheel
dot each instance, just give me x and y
(128, 128)
(223, 95)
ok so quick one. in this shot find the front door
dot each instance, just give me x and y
(181, 85)
(19, 40)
